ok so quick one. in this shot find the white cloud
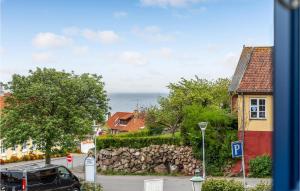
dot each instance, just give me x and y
(168, 3)
(228, 62)
(152, 34)
(166, 53)
(50, 40)
(80, 50)
(42, 57)
(2, 51)
(71, 31)
(120, 14)
(188, 13)
(106, 37)
(133, 57)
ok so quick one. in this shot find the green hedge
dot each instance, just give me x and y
(87, 186)
(232, 185)
(261, 167)
(136, 142)
(142, 133)
(262, 187)
(222, 185)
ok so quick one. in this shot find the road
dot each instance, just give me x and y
(78, 161)
(128, 183)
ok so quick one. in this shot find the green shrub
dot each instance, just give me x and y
(86, 186)
(261, 167)
(142, 133)
(262, 187)
(136, 142)
(222, 185)
(218, 136)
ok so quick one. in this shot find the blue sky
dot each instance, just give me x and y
(136, 45)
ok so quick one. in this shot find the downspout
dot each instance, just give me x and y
(243, 140)
(243, 119)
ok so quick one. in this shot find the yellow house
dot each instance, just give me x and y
(251, 98)
(17, 150)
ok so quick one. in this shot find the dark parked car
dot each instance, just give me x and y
(38, 178)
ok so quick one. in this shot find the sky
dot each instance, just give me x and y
(136, 45)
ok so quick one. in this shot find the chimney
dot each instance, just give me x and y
(1, 89)
(136, 113)
(108, 115)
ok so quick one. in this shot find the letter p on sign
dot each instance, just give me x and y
(237, 149)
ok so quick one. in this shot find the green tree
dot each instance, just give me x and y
(218, 135)
(52, 108)
(170, 112)
(166, 116)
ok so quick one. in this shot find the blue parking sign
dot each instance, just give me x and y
(237, 149)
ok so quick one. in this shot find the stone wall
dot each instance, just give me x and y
(160, 159)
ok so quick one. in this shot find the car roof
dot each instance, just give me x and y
(31, 167)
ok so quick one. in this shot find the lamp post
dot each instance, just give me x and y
(202, 126)
(197, 181)
(95, 128)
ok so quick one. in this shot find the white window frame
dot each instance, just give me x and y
(34, 146)
(2, 148)
(250, 105)
(24, 149)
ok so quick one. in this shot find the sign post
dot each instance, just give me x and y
(70, 161)
(89, 164)
(237, 150)
(154, 185)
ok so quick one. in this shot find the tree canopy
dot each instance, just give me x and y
(170, 112)
(52, 108)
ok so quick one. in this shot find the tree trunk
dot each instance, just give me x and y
(47, 158)
(48, 154)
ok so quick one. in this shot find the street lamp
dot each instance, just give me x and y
(95, 128)
(202, 126)
(197, 181)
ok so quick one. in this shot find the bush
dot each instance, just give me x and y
(86, 186)
(136, 142)
(2, 161)
(222, 185)
(261, 167)
(262, 187)
(218, 136)
(14, 159)
(25, 158)
(142, 133)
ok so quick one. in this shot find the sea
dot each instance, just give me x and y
(128, 102)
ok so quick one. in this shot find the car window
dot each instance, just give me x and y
(11, 178)
(63, 172)
(33, 178)
(48, 176)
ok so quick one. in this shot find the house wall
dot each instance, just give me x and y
(18, 152)
(255, 124)
(258, 132)
(234, 103)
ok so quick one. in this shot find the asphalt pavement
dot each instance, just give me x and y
(127, 183)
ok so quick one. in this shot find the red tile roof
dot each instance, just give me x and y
(2, 101)
(257, 76)
(135, 122)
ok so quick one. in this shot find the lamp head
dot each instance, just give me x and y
(202, 125)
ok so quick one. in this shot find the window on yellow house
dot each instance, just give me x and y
(257, 108)
(2, 148)
(14, 148)
(24, 147)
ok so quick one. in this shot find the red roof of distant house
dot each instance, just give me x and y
(1, 102)
(135, 123)
(254, 71)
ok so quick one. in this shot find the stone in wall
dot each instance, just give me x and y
(160, 159)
